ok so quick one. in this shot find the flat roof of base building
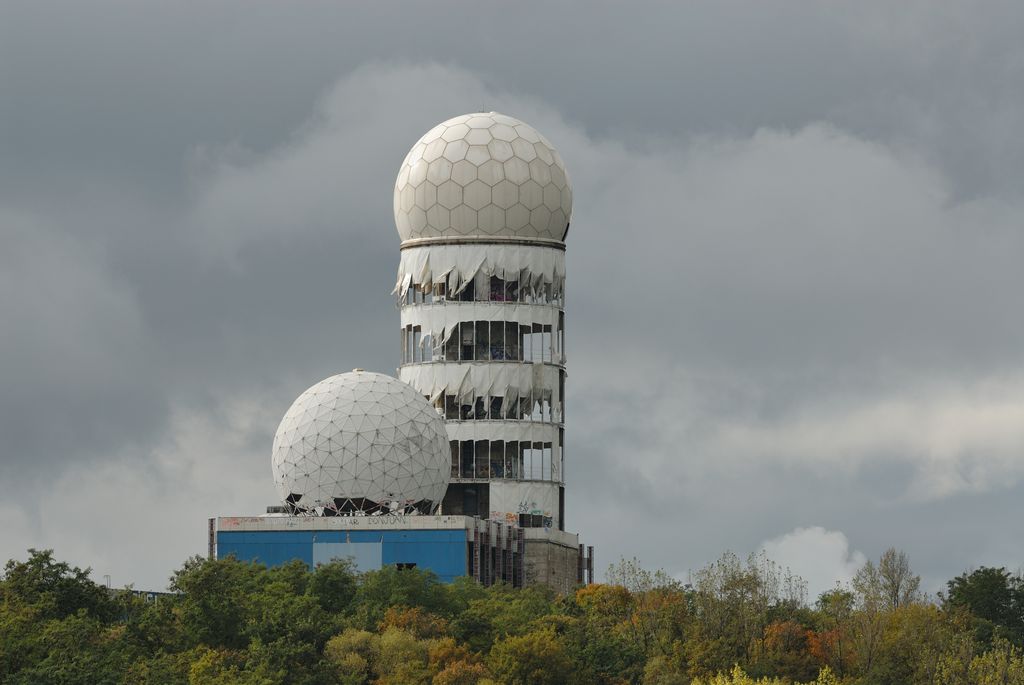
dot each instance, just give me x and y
(281, 523)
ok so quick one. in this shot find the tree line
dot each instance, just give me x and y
(737, 622)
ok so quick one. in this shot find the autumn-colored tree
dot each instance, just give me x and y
(461, 672)
(830, 643)
(414, 620)
(608, 605)
(651, 610)
(733, 603)
(785, 651)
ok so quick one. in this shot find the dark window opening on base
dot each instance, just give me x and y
(534, 521)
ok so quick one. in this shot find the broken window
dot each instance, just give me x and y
(509, 460)
(483, 288)
(415, 346)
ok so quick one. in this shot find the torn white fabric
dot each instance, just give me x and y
(523, 431)
(469, 381)
(533, 266)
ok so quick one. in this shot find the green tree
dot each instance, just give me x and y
(660, 670)
(333, 586)
(279, 608)
(899, 585)
(161, 668)
(390, 586)
(151, 627)
(993, 596)
(869, 620)
(737, 676)
(500, 611)
(353, 655)
(215, 599)
(915, 645)
(403, 659)
(830, 643)
(1003, 664)
(78, 650)
(536, 658)
(20, 643)
(55, 588)
(230, 667)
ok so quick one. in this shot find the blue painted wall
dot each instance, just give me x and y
(441, 551)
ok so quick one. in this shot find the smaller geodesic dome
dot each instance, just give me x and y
(361, 442)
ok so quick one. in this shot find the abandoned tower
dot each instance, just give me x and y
(466, 475)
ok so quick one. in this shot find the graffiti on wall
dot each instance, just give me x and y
(510, 502)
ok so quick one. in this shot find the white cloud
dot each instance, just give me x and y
(957, 439)
(821, 557)
(138, 517)
(334, 173)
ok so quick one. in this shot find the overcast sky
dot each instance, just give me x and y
(795, 273)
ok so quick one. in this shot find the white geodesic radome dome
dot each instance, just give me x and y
(483, 175)
(361, 442)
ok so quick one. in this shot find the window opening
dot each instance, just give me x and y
(483, 349)
(468, 337)
(497, 458)
(482, 459)
(466, 448)
(483, 288)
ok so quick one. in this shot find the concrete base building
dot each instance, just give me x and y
(450, 546)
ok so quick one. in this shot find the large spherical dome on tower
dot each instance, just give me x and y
(483, 175)
(361, 442)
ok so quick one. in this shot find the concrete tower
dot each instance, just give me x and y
(482, 204)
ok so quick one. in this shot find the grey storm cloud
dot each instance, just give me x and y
(794, 268)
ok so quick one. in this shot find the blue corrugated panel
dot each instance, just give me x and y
(441, 551)
(272, 549)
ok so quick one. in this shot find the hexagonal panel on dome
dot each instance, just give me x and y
(464, 158)
(361, 442)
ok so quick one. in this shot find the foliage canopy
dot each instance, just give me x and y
(738, 623)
